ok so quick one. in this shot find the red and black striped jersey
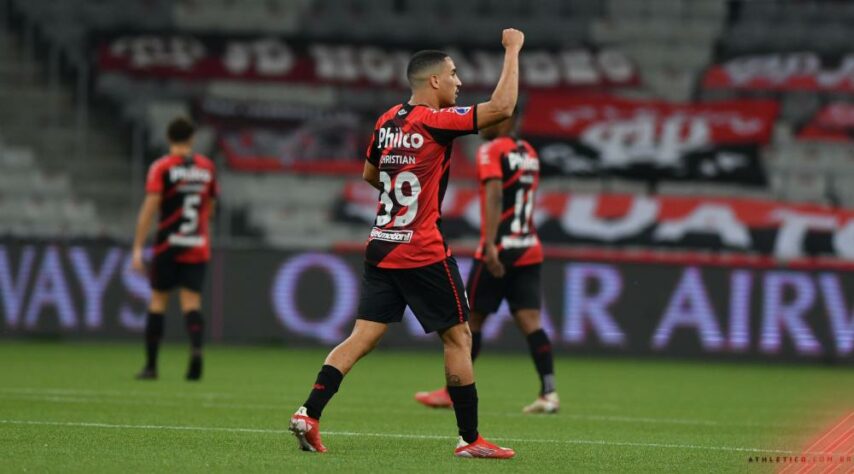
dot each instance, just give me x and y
(516, 164)
(411, 146)
(187, 185)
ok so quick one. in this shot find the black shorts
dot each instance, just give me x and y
(519, 285)
(434, 293)
(166, 274)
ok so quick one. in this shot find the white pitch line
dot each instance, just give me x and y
(34, 395)
(117, 393)
(134, 402)
(395, 436)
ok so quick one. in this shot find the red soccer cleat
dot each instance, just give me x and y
(307, 431)
(482, 448)
(435, 399)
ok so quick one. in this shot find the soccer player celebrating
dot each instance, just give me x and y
(182, 186)
(407, 259)
(507, 261)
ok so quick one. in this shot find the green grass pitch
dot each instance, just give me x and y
(74, 408)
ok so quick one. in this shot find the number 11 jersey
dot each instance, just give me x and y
(515, 163)
(411, 147)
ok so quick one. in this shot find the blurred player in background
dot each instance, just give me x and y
(407, 259)
(507, 261)
(182, 188)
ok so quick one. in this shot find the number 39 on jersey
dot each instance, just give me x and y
(398, 194)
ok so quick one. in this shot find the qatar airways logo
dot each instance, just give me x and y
(179, 173)
(393, 137)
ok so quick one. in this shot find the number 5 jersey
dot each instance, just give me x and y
(411, 147)
(187, 186)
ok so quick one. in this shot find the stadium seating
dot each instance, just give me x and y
(52, 173)
(39, 205)
(293, 210)
(671, 41)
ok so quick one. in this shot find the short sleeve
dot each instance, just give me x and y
(488, 162)
(451, 122)
(154, 180)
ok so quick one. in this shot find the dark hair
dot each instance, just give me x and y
(422, 60)
(180, 130)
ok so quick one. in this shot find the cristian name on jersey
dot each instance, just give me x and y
(516, 164)
(411, 147)
(187, 185)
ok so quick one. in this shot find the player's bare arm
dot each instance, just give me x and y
(143, 223)
(492, 208)
(500, 106)
(371, 174)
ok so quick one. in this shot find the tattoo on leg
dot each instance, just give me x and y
(453, 380)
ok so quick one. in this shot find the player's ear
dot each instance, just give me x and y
(434, 81)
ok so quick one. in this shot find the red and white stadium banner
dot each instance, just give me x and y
(302, 150)
(304, 146)
(592, 135)
(752, 227)
(833, 123)
(206, 57)
(783, 71)
(260, 136)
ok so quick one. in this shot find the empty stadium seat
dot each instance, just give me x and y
(672, 41)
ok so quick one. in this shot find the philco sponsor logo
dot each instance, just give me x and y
(397, 236)
(393, 137)
(523, 161)
(179, 173)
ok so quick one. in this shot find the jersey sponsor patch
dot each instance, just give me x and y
(393, 137)
(522, 161)
(179, 240)
(396, 236)
(461, 110)
(190, 173)
(519, 242)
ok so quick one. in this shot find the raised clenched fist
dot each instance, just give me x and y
(512, 38)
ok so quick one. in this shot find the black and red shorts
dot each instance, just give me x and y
(520, 286)
(166, 274)
(435, 294)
